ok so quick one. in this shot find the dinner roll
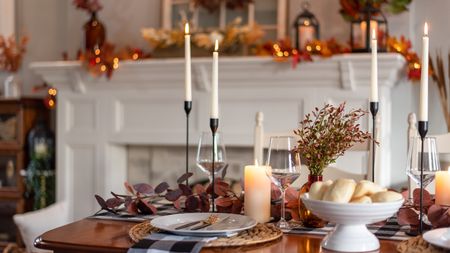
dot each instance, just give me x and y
(366, 188)
(318, 189)
(340, 191)
(362, 200)
(386, 196)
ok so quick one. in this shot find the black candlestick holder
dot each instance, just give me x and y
(423, 130)
(374, 110)
(214, 125)
(187, 110)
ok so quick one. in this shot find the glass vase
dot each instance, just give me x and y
(95, 33)
(307, 218)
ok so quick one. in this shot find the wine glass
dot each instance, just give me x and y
(283, 167)
(205, 153)
(430, 160)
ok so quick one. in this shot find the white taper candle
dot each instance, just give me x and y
(187, 56)
(423, 113)
(215, 83)
(374, 73)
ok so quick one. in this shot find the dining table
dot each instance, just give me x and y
(90, 235)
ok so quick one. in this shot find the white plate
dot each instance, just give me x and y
(233, 224)
(439, 237)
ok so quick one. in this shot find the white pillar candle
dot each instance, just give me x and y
(423, 113)
(257, 193)
(187, 56)
(215, 83)
(306, 34)
(443, 188)
(374, 73)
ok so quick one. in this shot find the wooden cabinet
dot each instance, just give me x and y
(17, 118)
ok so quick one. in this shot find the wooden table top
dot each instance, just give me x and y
(94, 235)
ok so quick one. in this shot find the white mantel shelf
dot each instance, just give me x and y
(142, 104)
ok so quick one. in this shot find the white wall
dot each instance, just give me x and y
(55, 26)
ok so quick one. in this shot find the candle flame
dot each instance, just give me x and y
(374, 34)
(186, 28)
(216, 46)
(425, 29)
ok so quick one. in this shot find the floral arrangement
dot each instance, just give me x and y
(438, 216)
(350, 8)
(325, 134)
(214, 5)
(234, 35)
(88, 5)
(438, 73)
(141, 198)
(11, 52)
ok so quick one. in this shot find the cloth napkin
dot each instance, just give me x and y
(164, 243)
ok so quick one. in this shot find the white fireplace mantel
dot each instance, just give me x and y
(142, 104)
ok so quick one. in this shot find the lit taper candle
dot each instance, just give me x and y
(187, 56)
(423, 113)
(215, 83)
(374, 73)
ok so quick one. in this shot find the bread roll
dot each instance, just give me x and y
(386, 196)
(340, 191)
(362, 200)
(318, 189)
(366, 188)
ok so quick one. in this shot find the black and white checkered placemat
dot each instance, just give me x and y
(391, 230)
(159, 243)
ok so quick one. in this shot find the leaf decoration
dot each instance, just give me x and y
(224, 202)
(407, 216)
(132, 208)
(162, 187)
(113, 202)
(129, 188)
(427, 200)
(204, 202)
(185, 189)
(439, 216)
(143, 188)
(198, 189)
(173, 195)
(148, 207)
(192, 203)
(101, 202)
(184, 177)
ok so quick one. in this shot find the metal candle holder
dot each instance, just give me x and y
(423, 129)
(373, 111)
(214, 125)
(187, 109)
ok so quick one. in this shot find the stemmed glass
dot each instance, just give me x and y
(283, 167)
(204, 155)
(430, 160)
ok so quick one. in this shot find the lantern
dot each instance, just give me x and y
(306, 27)
(370, 18)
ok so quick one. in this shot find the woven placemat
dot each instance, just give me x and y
(261, 233)
(418, 245)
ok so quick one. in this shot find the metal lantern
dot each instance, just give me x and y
(368, 19)
(306, 27)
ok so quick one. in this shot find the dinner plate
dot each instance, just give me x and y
(439, 237)
(232, 224)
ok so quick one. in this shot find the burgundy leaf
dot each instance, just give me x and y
(184, 177)
(177, 204)
(198, 189)
(224, 202)
(129, 188)
(143, 188)
(438, 216)
(150, 206)
(221, 189)
(292, 195)
(173, 195)
(113, 202)
(128, 200)
(101, 202)
(407, 216)
(185, 189)
(294, 214)
(204, 202)
(275, 192)
(192, 203)
(222, 209)
(427, 200)
(237, 206)
(132, 208)
(161, 188)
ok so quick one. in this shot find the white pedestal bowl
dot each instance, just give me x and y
(351, 233)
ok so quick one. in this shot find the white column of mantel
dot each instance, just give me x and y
(142, 104)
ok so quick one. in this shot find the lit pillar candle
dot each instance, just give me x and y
(187, 56)
(423, 113)
(215, 83)
(443, 188)
(257, 193)
(374, 73)
(306, 33)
